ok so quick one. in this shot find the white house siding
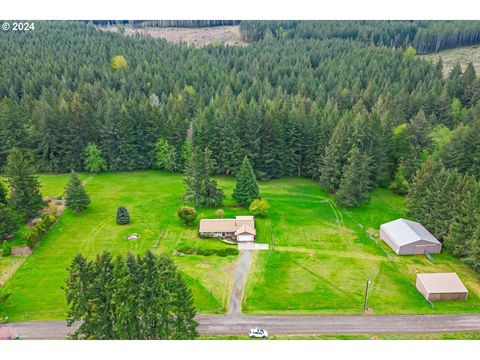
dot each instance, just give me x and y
(245, 237)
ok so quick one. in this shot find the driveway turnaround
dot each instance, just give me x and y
(290, 325)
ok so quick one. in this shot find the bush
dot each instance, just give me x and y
(228, 251)
(187, 250)
(123, 217)
(32, 237)
(187, 214)
(35, 234)
(220, 214)
(259, 207)
(7, 249)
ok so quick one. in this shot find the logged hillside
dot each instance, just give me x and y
(452, 57)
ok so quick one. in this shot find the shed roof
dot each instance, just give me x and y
(405, 232)
(442, 283)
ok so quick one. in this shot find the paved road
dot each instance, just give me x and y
(292, 325)
(240, 278)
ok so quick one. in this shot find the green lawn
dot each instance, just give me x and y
(451, 336)
(152, 199)
(322, 258)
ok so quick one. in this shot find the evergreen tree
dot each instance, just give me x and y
(76, 197)
(165, 156)
(3, 193)
(123, 217)
(8, 221)
(135, 298)
(201, 189)
(355, 184)
(94, 161)
(25, 196)
(462, 226)
(246, 187)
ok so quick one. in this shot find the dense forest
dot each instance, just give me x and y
(425, 36)
(167, 23)
(350, 111)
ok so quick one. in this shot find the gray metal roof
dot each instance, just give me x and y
(405, 232)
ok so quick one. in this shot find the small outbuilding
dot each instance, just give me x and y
(441, 287)
(407, 237)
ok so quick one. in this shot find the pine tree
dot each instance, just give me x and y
(201, 189)
(94, 161)
(462, 227)
(134, 298)
(246, 188)
(25, 196)
(123, 217)
(8, 221)
(3, 193)
(355, 184)
(75, 195)
(165, 156)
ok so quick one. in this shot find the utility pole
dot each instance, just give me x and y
(365, 305)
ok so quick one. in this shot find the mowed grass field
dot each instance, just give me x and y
(324, 256)
(321, 260)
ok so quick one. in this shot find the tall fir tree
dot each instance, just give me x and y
(356, 180)
(76, 197)
(201, 189)
(25, 196)
(132, 298)
(246, 188)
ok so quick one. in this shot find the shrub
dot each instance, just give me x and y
(7, 249)
(123, 217)
(206, 252)
(220, 214)
(228, 251)
(259, 207)
(187, 214)
(187, 250)
(32, 237)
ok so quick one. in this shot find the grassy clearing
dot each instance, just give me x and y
(322, 259)
(152, 199)
(325, 256)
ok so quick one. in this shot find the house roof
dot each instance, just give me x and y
(442, 283)
(405, 232)
(245, 229)
(228, 225)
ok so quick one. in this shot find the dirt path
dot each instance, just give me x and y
(240, 278)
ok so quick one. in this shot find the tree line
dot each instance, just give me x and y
(426, 36)
(291, 106)
(448, 204)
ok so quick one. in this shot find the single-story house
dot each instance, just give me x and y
(407, 237)
(441, 287)
(242, 228)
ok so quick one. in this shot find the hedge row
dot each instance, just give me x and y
(36, 233)
(187, 250)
